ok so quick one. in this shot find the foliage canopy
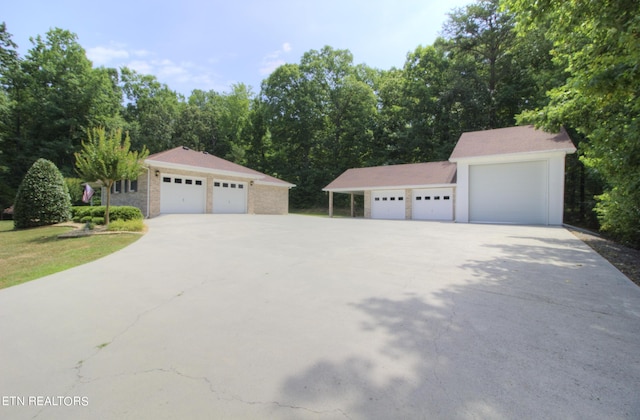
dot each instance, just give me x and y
(108, 158)
(43, 197)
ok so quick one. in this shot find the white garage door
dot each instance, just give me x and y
(387, 204)
(182, 194)
(508, 193)
(432, 204)
(229, 197)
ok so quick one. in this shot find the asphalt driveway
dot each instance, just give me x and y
(299, 317)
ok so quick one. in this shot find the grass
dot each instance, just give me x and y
(28, 254)
(324, 212)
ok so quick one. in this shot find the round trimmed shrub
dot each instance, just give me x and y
(43, 197)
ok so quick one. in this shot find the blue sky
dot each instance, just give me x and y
(207, 45)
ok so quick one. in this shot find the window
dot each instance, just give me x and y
(166, 179)
(188, 181)
(427, 197)
(384, 198)
(377, 198)
(233, 185)
(133, 185)
(400, 198)
(446, 197)
(437, 197)
(241, 186)
(178, 180)
(393, 199)
(216, 184)
(418, 198)
(198, 182)
(225, 185)
(117, 187)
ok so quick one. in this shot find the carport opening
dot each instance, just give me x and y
(348, 204)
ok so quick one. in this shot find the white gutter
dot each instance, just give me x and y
(148, 189)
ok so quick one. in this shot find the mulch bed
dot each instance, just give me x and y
(625, 259)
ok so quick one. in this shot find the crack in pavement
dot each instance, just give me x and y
(230, 397)
(224, 395)
(79, 365)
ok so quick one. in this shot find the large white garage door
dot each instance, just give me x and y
(229, 197)
(387, 204)
(432, 204)
(182, 194)
(509, 193)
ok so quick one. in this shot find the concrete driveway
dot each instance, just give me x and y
(297, 317)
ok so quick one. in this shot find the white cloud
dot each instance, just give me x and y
(273, 60)
(104, 55)
(181, 76)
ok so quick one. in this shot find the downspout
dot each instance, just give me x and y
(148, 190)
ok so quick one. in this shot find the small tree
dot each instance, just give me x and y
(43, 197)
(106, 158)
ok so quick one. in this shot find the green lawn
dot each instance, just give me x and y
(28, 254)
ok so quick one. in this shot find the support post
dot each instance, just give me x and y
(330, 203)
(353, 212)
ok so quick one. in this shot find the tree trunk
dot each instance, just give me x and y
(106, 210)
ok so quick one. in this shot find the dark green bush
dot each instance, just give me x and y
(97, 220)
(82, 214)
(125, 213)
(43, 197)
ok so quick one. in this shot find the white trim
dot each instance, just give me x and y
(257, 178)
(390, 187)
(512, 157)
(148, 191)
(191, 168)
(274, 184)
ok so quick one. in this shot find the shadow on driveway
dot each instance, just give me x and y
(518, 341)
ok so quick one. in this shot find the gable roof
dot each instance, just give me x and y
(411, 174)
(510, 140)
(184, 158)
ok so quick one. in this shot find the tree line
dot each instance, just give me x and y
(496, 64)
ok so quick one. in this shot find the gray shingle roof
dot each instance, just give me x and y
(510, 140)
(187, 157)
(412, 174)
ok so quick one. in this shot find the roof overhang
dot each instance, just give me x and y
(514, 157)
(257, 178)
(282, 184)
(178, 166)
(361, 190)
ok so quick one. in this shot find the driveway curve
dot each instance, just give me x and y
(300, 317)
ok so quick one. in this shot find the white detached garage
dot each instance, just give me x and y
(420, 191)
(511, 175)
(506, 175)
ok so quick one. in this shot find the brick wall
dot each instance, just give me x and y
(367, 204)
(267, 199)
(136, 199)
(261, 199)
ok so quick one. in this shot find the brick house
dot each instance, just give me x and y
(182, 180)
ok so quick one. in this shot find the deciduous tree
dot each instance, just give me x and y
(598, 46)
(107, 158)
